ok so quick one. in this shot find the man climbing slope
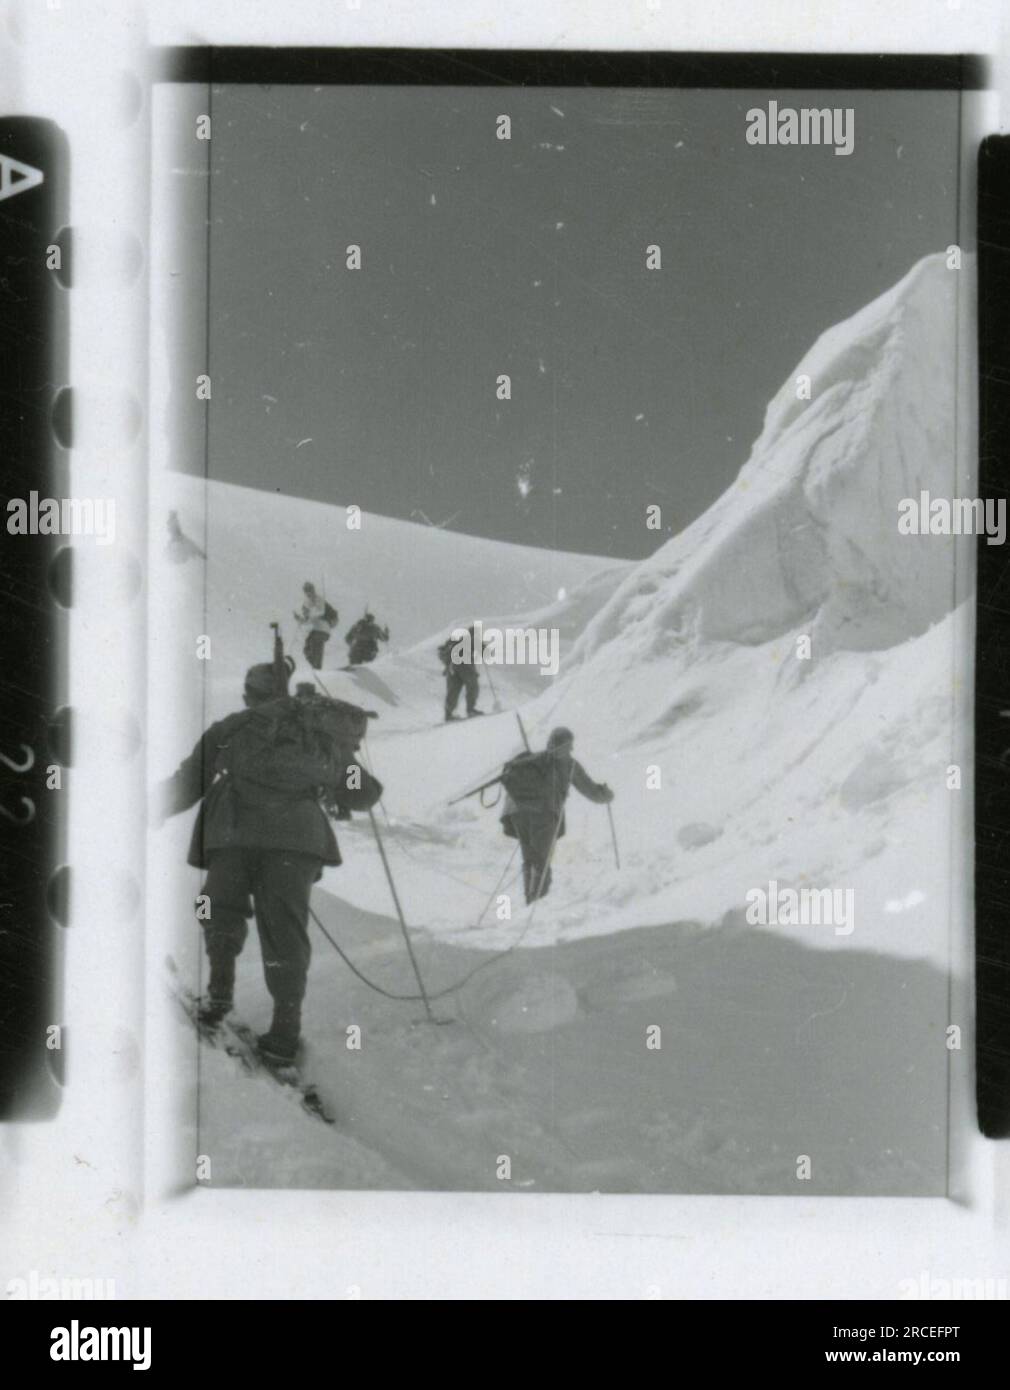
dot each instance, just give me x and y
(263, 837)
(536, 786)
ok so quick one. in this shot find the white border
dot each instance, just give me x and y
(81, 1206)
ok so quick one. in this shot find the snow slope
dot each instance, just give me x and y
(262, 547)
(821, 772)
(827, 772)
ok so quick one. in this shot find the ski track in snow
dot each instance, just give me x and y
(827, 772)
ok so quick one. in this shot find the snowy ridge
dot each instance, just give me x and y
(808, 533)
(262, 547)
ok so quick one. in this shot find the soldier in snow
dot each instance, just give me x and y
(458, 655)
(536, 786)
(263, 837)
(363, 640)
(320, 618)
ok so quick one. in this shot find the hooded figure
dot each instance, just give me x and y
(262, 849)
(534, 811)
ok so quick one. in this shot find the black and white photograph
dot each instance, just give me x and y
(553, 657)
(504, 733)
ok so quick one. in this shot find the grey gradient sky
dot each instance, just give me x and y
(528, 257)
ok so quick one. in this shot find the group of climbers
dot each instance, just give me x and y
(270, 778)
(317, 618)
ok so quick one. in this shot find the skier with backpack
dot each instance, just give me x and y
(320, 618)
(458, 655)
(363, 640)
(268, 778)
(536, 787)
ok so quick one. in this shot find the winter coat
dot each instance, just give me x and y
(538, 814)
(367, 633)
(256, 817)
(313, 615)
(457, 644)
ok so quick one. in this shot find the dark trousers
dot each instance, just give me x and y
(536, 835)
(314, 646)
(362, 651)
(275, 883)
(458, 678)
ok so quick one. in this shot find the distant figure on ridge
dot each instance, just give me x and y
(320, 618)
(458, 656)
(363, 640)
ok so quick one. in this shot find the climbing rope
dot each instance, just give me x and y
(425, 996)
(430, 996)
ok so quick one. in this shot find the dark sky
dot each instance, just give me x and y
(528, 257)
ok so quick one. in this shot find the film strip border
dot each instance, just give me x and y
(992, 658)
(504, 67)
(36, 574)
(36, 590)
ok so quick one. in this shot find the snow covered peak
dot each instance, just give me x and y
(806, 539)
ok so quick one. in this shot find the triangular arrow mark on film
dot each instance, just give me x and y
(16, 177)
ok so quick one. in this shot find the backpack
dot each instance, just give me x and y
(292, 748)
(330, 613)
(529, 777)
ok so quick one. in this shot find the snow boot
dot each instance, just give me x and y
(471, 712)
(220, 988)
(211, 1011)
(281, 1042)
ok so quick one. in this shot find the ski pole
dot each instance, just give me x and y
(399, 913)
(613, 835)
(494, 693)
(522, 730)
(370, 763)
